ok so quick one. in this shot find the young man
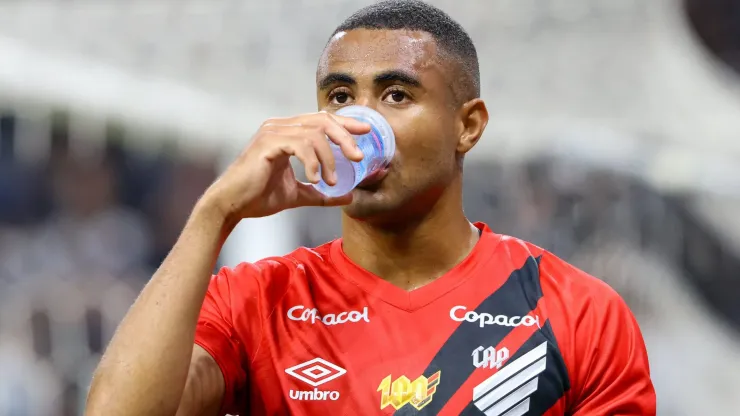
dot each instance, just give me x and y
(414, 311)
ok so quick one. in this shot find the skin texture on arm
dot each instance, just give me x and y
(204, 388)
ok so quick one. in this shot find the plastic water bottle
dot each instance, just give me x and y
(378, 147)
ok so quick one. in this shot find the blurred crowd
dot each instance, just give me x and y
(81, 234)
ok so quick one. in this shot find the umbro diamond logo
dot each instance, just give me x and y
(316, 372)
(509, 390)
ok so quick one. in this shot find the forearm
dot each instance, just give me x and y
(145, 367)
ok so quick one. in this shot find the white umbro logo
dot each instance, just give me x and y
(316, 372)
(509, 390)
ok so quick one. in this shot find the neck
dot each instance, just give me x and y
(418, 251)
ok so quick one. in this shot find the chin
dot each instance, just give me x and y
(376, 207)
(368, 205)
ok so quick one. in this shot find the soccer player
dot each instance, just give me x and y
(414, 311)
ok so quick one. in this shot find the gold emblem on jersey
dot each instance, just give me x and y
(403, 391)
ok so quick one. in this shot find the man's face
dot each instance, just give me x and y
(399, 74)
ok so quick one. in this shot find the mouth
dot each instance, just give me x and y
(373, 180)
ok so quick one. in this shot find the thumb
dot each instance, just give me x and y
(308, 196)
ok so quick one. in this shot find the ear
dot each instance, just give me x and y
(474, 119)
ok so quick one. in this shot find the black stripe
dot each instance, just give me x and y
(552, 383)
(516, 297)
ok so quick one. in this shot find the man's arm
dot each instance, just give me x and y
(204, 388)
(145, 369)
(613, 375)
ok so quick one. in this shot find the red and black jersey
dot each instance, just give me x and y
(512, 330)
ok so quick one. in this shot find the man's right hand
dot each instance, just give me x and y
(261, 181)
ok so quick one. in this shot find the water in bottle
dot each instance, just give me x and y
(378, 147)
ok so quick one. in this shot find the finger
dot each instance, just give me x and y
(303, 150)
(308, 196)
(346, 142)
(316, 137)
(325, 155)
(352, 125)
(332, 125)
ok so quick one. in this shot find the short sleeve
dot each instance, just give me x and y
(228, 295)
(613, 375)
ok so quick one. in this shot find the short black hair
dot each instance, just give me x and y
(418, 15)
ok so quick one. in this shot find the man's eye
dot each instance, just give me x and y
(396, 97)
(339, 96)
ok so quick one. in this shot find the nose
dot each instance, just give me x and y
(367, 101)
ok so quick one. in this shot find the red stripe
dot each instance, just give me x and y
(513, 341)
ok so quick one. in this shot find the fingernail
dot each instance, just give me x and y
(334, 177)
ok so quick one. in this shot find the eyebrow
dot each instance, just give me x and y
(336, 78)
(382, 78)
(397, 76)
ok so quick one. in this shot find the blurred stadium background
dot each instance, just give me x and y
(614, 142)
